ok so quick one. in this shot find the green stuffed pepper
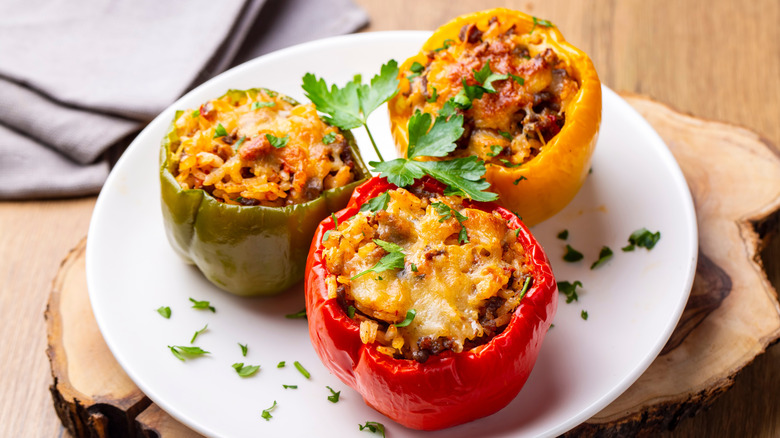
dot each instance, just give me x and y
(245, 179)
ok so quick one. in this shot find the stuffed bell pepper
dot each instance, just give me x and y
(245, 180)
(432, 306)
(531, 102)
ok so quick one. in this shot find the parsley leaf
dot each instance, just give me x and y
(348, 107)
(416, 69)
(195, 113)
(267, 412)
(280, 364)
(205, 327)
(522, 177)
(329, 138)
(446, 212)
(410, 314)
(183, 352)
(540, 22)
(334, 395)
(277, 142)
(434, 96)
(517, 79)
(572, 255)
(238, 144)
(569, 289)
(245, 371)
(374, 427)
(376, 204)
(220, 131)
(351, 312)
(244, 349)
(445, 45)
(495, 150)
(301, 369)
(563, 235)
(202, 305)
(642, 238)
(433, 141)
(290, 386)
(256, 105)
(297, 315)
(604, 255)
(506, 135)
(393, 260)
(584, 315)
(165, 312)
(486, 77)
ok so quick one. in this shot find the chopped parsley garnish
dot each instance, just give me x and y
(290, 386)
(351, 311)
(446, 212)
(463, 176)
(569, 290)
(517, 79)
(220, 131)
(506, 135)
(509, 164)
(205, 327)
(164, 311)
(445, 45)
(267, 412)
(572, 255)
(486, 77)
(281, 364)
(522, 177)
(413, 267)
(277, 142)
(604, 255)
(334, 395)
(238, 144)
(540, 22)
(416, 69)
(245, 371)
(297, 315)
(244, 349)
(256, 105)
(526, 285)
(202, 305)
(394, 259)
(642, 238)
(348, 107)
(584, 315)
(183, 352)
(376, 204)
(410, 314)
(563, 235)
(301, 369)
(195, 113)
(495, 150)
(329, 138)
(433, 97)
(373, 427)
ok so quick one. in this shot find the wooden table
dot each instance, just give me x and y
(716, 60)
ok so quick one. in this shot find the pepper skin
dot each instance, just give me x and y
(545, 184)
(245, 250)
(449, 388)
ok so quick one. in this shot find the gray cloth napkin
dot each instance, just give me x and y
(79, 78)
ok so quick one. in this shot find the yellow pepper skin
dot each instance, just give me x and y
(547, 182)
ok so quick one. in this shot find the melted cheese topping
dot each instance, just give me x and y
(448, 283)
(224, 148)
(512, 125)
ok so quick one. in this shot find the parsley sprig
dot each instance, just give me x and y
(436, 138)
(348, 107)
(394, 259)
(446, 212)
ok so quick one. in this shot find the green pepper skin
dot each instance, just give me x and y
(245, 250)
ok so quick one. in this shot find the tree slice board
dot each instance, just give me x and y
(731, 317)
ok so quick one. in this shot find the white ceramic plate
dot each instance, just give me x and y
(633, 302)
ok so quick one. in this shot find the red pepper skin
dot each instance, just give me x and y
(449, 388)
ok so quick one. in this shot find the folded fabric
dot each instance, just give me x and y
(81, 76)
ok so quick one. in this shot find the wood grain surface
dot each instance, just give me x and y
(714, 59)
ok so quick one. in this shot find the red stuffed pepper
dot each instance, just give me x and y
(432, 307)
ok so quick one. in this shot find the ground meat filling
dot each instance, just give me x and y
(464, 291)
(512, 125)
(258, 147)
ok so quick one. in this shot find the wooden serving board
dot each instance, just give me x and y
(731, 317)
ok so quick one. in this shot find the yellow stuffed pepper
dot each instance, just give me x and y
(531, 104)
